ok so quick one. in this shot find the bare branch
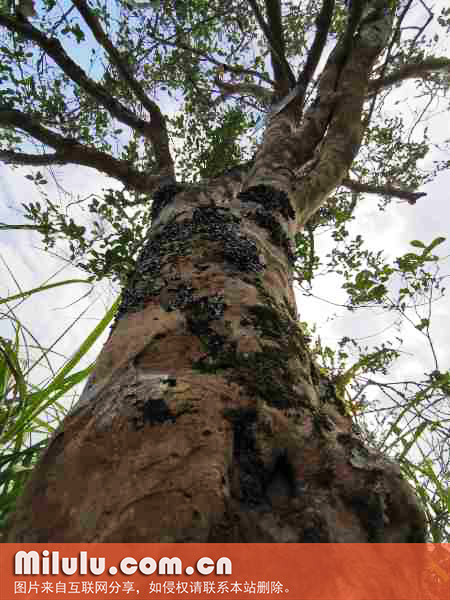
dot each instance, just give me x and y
(237, 69)
(33, 160)
(284, 77)
(418, 70)
(382, 190)
(99, 93)
(40, 228)
(387, 58)
(262, 94)
(356, 10)
(159, 136)
(274, 18)
(69, 151)
(318, 115)
(323, 23)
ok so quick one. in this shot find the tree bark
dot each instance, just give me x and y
(206, 419)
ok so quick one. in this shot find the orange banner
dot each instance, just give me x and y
(239, 571)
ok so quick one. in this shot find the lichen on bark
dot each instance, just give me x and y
(207, 407)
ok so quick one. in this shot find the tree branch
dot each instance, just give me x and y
(40, 228)
(323, 23)
(275, 23)
(99, 93)
(69, 151)
(284, 77)
(237, 69)
(356, 10)
(410, 71)
(262, 94)
(319, 114)
(345, 130)
(382, 190)
(159, 136)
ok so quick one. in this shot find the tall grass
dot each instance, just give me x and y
(29, 413)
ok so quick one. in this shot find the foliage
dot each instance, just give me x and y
(213, 147)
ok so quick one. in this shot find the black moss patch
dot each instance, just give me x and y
(163, 197)
(213, 343)
(208, 308)
(252, 474)
(237, 171)
(316, 532)
(370, 511)
(264, 374)
(271, 380)
(182, 298)
(242, 255)
(280, 479)
(277, 325)
(199, 314)
(287, 321)
(271, 199)
(264, 218)
(166, 244)
(156, 412)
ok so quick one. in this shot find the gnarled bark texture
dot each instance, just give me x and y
(205, 419)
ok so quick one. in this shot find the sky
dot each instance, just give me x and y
(49, 314)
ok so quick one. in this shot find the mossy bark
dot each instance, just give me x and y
(205, 419)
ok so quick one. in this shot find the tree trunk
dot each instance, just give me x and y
(206, 419)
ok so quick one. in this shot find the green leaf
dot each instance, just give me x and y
(424, 323)
(435, 242)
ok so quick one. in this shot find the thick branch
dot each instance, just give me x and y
(323, 23)
(302, 142)
(344, 134)
(354, 18)
(411, 71)
(284, 77)
(319, 114)
(69, 151)
(159, 136)
(55, 50)
(320, 163)
(382, 190)
(33, 160)
(274, 18)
